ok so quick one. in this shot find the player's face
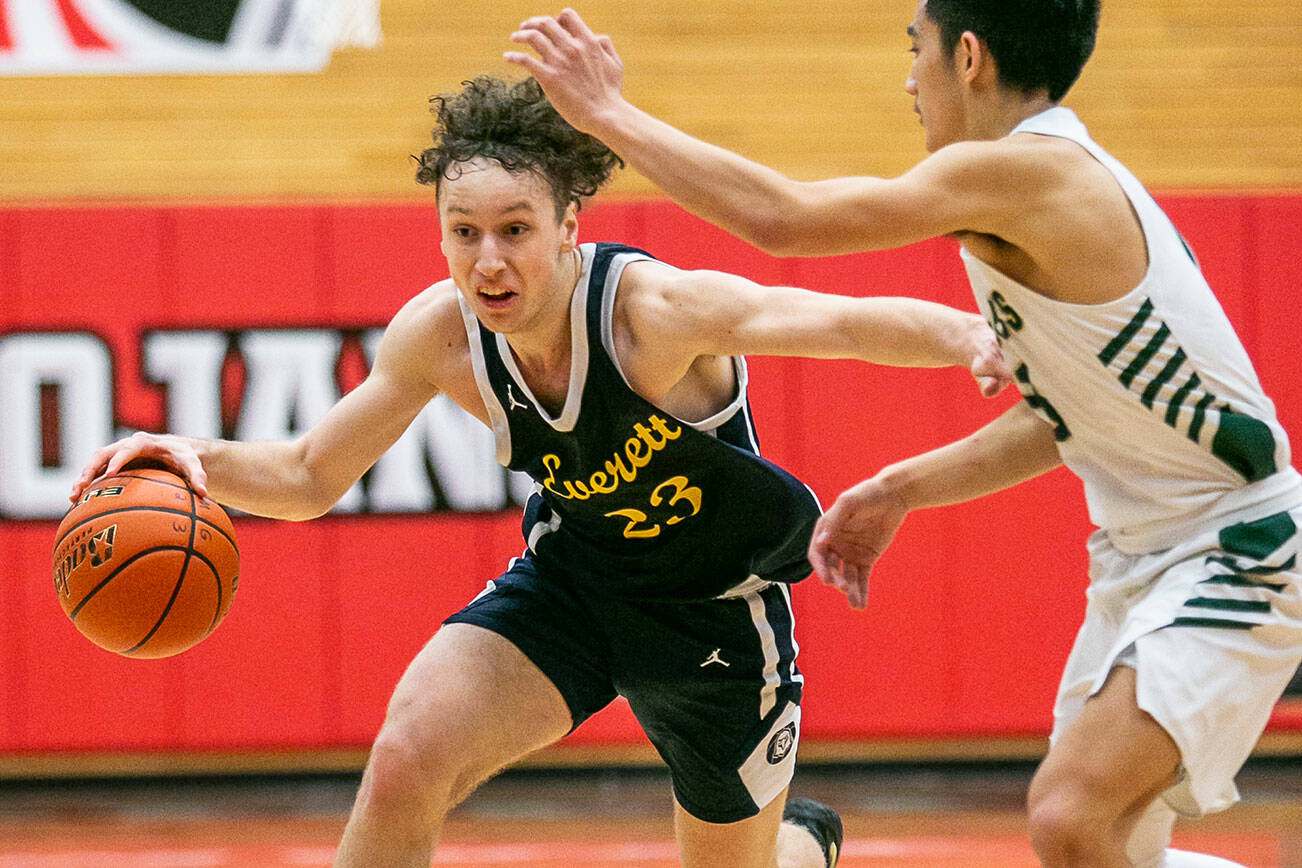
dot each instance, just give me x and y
(934, 83)
(508, 254)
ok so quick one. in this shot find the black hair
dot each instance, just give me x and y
(1036, 44)
(513, 124)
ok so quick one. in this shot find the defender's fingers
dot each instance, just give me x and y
(535, 39)
(858, 595)
(574, 24)
(608, 46)
(550, 28)
(825, 560)
(533, 22)
(528, 61)
(822, 552)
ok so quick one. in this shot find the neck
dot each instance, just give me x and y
(1005, 111)
(546, 346)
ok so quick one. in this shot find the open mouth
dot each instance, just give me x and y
(495, 296)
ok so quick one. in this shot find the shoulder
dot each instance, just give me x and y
(646, 286)
(992, 186)
(430, 312)
(1023, 154)
(664, 317)
(427, 337)
(660, 300)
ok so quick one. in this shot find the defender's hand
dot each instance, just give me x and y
(852, 535)
(175, 452)
(579, 71)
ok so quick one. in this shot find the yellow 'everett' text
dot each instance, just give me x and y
(620, 467)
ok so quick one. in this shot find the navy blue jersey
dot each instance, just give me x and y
(628, 498)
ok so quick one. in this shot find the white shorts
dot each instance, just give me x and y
(1213, 630)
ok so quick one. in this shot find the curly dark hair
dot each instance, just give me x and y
(514, 124)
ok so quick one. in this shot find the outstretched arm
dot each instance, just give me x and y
(301, 478)
(853, 534)
(684, 315)
(583, 77)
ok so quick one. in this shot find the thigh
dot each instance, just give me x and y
(715, 686)
(555, 626)
(472, 695)
(1112, 759)
(1212, 630)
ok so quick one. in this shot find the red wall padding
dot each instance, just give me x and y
(971, 613)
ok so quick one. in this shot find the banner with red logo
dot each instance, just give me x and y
(250, 321)
(53, 37)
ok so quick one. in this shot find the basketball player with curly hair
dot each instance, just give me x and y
(660, 545)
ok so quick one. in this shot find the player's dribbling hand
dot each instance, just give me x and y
(174, 452)
(852, 535)
(579, 71)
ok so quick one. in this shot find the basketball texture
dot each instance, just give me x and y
(143, 566)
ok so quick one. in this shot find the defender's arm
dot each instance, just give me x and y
(853, 534)
(965, 187)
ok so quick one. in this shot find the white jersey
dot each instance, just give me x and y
(1153, 400)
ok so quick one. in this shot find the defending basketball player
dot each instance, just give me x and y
(1131, 376)
(660, 544)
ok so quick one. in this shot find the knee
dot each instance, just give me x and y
(1067, 828)
(409, 771)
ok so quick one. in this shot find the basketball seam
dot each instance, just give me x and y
(146, 479)
(230, 539)
(176, 589)
(204, 559)
(113, 575)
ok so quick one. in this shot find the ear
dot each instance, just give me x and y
(972, 60)
(570, 228)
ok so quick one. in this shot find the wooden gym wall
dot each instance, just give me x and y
(1190, 93)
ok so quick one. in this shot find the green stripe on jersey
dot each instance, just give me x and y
(1258, 539)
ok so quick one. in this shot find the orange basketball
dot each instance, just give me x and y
(143, 566)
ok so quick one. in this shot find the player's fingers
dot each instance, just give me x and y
(991, 386)
(129, 449)
(90, 472)
(194, 474)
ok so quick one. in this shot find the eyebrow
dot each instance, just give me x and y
(518, 206)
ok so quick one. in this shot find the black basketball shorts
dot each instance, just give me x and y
(713, 683)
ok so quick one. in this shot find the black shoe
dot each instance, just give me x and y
(820, 821)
